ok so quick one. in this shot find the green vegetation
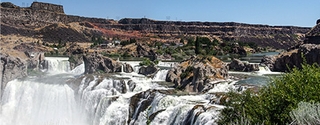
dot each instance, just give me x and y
(148, 62)
(187, 72)
(96, 41)
(274, 102)
(127, 42)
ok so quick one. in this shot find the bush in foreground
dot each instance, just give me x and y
(274, 102)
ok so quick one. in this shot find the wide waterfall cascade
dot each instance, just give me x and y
(64, 97)
(31, 102)
(43, 100)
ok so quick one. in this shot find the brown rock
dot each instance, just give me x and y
(237, 65)
(195, 74)
(95, 63)
(11, 68)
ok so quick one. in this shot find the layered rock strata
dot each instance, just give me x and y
(27, 21)
(308, 51)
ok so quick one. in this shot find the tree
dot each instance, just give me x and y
(274, 102)
(197, 46)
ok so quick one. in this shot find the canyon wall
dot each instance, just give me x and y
(39, 15)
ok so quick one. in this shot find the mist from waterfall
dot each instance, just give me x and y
(44, 100)
(64, 97)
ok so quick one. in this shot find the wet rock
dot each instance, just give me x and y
(237, 65)
(140, 102)
(127, 68)
(194, 74)
(95, 63)
(75, 53)
(11, 68)
(148, 70)
(120, 86)
(132, 85)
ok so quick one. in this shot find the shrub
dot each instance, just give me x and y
(274, 102)
(148, 62)
(306, 114)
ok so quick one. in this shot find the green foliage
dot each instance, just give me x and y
(197, 46)
(96, 41)
(187, 72)
(273, 103)
(148, 62)
(72, 59)
(127, 42)
(248, 44)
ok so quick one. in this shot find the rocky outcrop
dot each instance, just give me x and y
(11, 68)
(237, 65)
(25, 21)
(196, 73)
(144, 51)
(148, 70)
(262, 35)
(95, 63)
(47, 7)
(127, 68)
(8, 5)
(313, 36)
(75, 53)
(140, 102)
(309, 51)
(294, 58)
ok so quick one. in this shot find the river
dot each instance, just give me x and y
(60, 96)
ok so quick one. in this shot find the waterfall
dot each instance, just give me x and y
(40, 101)
(161, 75)
(58, 64)
(62, 97)
(264, 69)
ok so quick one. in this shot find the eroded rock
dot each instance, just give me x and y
(95, 63)
(237, 65)
(196, 73)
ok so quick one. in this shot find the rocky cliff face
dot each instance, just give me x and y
(197, 73)
(309, 50)
(95, 63)
(264, 35)
(26, 21)
(11, 68)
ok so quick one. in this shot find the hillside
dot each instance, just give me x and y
(49, 23)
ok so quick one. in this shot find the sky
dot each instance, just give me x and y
(270, 12)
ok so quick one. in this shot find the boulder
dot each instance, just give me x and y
(132, 85)
(140, 102)
(127, 68)
(97, 63)
(148, 70)
(237, 65)
(197, 73)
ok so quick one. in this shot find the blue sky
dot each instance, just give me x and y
(271, 12)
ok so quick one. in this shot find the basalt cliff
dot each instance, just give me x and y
(49, 23)
(307, 52)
